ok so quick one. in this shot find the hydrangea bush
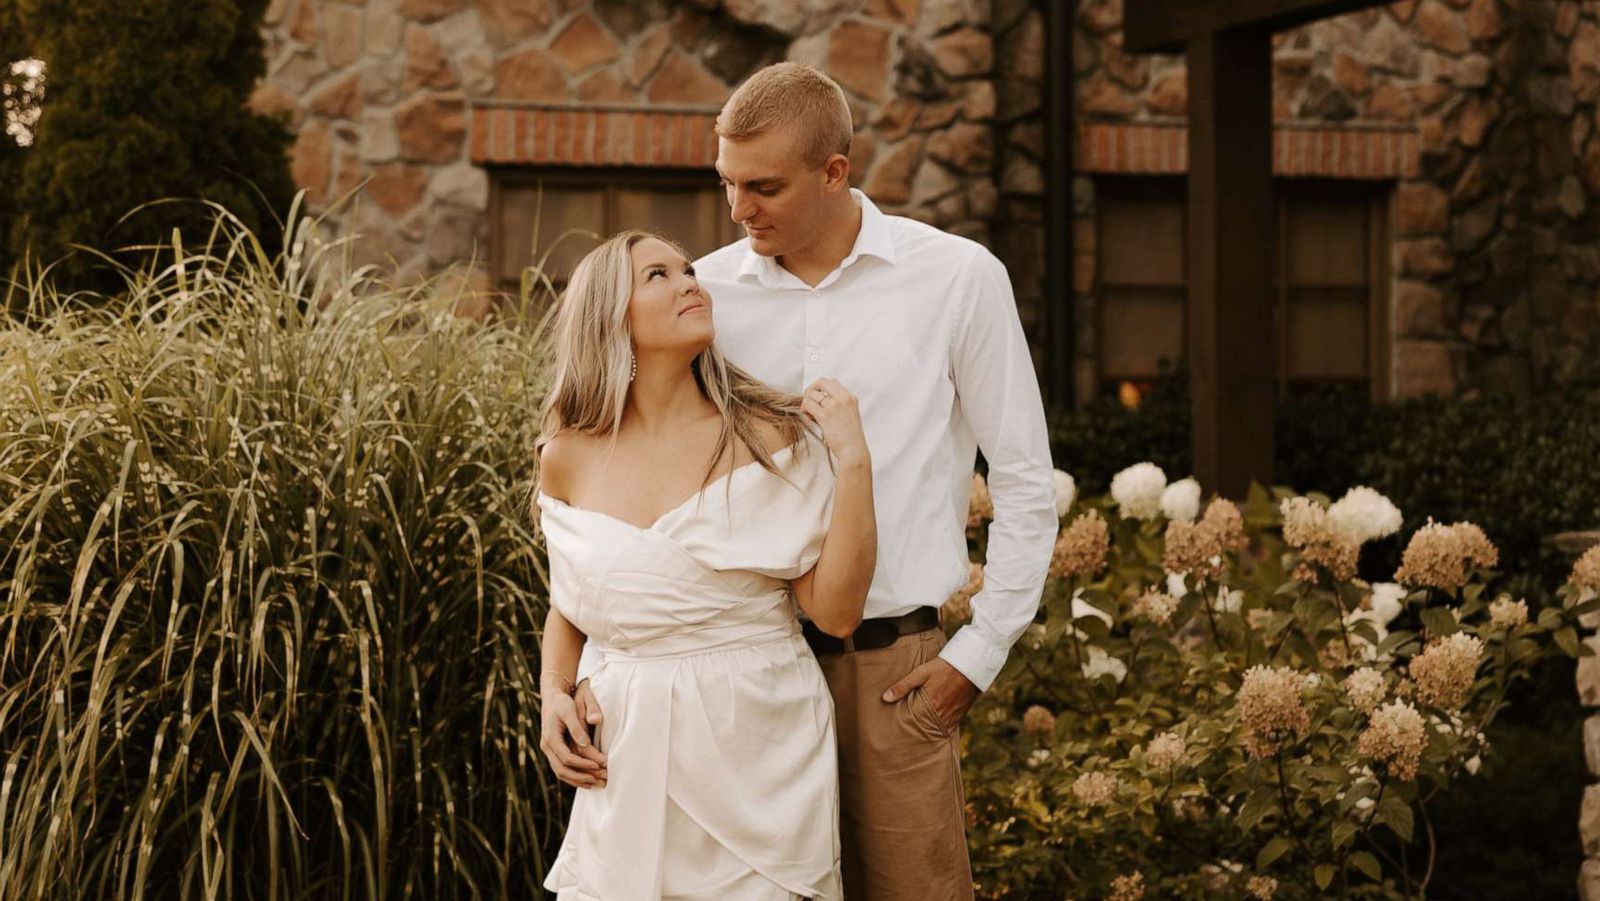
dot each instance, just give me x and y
(1211, 704)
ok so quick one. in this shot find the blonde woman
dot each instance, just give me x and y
(691, 513)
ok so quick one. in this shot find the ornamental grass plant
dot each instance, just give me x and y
(269, 599)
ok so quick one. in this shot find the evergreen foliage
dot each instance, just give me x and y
(146, 103)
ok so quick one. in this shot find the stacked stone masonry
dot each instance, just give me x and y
(414, 97)
(1483, 113)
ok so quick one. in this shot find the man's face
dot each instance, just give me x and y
(771, 191)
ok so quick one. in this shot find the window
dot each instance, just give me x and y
(552, 218)
(1143, 274)
(1328, 273)
(1328, 285)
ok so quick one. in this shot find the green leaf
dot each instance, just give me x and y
(1319, 614)
(1343, 832)
(1567, 640)
(1367, 864)
(1297, 644)
(1093, 626)
(1392, 643)
(1395, 813)
(1257, 496)
(1439, 622)
(1323, 875)
(1274, 849)
(1366, 630)
(1255, 807)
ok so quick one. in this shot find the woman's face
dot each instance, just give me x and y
(668, 310)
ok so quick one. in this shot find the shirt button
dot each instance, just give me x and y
(813, 358)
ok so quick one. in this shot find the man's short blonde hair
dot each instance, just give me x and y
(791, 94)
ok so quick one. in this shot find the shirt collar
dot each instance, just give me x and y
(875, 239)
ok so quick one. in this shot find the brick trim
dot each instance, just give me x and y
(580, 136)
(1297, 151)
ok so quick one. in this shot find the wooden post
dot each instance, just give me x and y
(1232, 346)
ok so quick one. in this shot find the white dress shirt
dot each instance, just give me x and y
(921, 325)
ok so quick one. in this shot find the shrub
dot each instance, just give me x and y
(269, 603)
(145, 100)
(18, 104)
(1221, 708)
(1525, 465)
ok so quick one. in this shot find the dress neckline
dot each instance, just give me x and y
(680, 505)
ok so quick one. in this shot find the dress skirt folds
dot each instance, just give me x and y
(718, 725)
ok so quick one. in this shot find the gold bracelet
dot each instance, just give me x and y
(571, 685)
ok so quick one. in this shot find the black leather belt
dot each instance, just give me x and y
(872, 633)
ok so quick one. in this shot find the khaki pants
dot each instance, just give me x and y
(902, 816)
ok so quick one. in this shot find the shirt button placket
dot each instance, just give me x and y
(814, 328)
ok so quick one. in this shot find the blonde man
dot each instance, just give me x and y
(923, 326)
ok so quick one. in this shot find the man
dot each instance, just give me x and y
(922, 326)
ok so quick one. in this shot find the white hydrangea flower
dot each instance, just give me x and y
(1388, 599)
(1229, 601)
(1508, 614)
(1137, 490)
(1365, 688)
(1102, 664)
(1473, 764)
(1175, 586)
(1181, 500)
(1066, 493)
(1364, 515)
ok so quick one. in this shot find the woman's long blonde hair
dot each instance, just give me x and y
(594, 354)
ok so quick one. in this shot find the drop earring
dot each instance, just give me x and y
(633, 366)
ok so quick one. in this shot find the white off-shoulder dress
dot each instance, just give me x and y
(718, 726)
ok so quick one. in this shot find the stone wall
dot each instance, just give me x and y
(1496, 279)
(1496, 276)
(1588, 679)
(387, 90)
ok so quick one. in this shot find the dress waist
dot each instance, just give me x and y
(704, 642)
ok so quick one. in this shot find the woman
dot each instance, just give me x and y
(690, 512)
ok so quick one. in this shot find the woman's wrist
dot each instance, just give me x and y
(856, 458)
(563, 683)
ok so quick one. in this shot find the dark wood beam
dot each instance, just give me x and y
(1059, 297)
(1232, 342)
(1163, 26)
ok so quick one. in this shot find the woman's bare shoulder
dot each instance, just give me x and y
(561, 458)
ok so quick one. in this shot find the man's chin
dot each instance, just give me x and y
(763, 245)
